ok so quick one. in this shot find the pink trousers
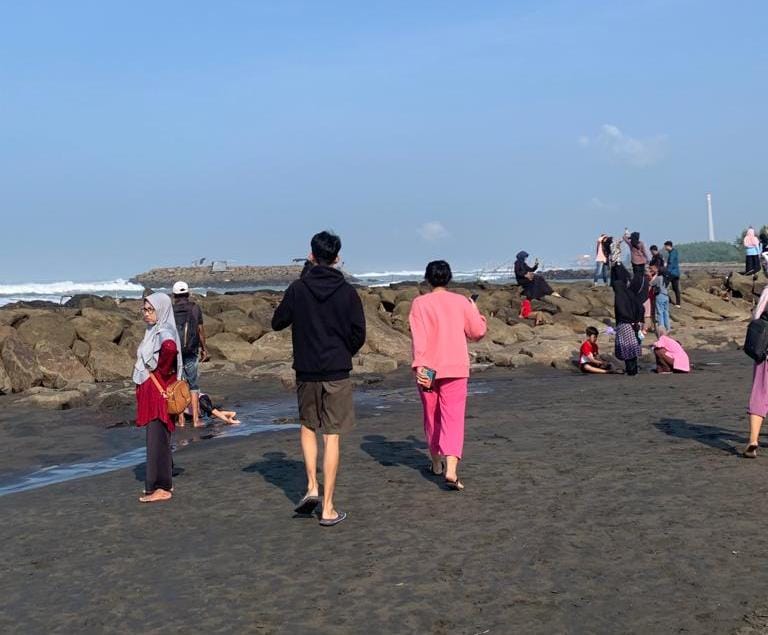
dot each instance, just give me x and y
(444, 410)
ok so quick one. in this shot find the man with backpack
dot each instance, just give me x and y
(328, 329)
(189, 324)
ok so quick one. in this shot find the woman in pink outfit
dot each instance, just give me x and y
(441, 322)
(758, 398)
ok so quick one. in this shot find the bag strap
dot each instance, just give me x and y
(157, 383)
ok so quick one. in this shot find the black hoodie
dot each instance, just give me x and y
(328, 324)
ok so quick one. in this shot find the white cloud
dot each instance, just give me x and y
(626, 149)
(433, 230)
(597, 203)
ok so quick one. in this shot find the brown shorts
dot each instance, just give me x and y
(326, 406)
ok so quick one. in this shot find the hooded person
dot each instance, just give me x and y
(158, 364)
(532, 286)
(752, 252)
(328, 329)
(629, 314)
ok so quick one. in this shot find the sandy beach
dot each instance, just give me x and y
(597, 505)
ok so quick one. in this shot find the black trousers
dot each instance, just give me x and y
(638, 269)
(752, 264)
(159, 460)
(674, 282)
(631, 366)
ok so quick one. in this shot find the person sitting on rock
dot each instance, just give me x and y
(534, 287)
(588, 360)
(527, 313)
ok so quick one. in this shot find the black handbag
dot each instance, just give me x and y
(756, 341)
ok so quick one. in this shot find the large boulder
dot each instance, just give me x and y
(81, 350)
(275, 346)
(500, 333)
(6, 332)
(100, 326)
(547, 351)
(713, 304)
(229, 346)
(385, 340)
(59, 366)
(212, 326)
(107, 361)
(84, 300)
(50, 399)
(509, 358)
(262, 313)
(5, 381)
(131, 336)
(20, 364)
(578, 306)
(240, 324)
(51, 328)
(745, 286)
(373, 363)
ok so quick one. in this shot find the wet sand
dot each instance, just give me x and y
(593, 505)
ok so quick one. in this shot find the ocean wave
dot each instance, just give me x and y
(69, 288)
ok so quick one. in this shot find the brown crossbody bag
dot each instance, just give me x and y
(177, 396)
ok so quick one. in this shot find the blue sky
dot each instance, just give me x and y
(146, 133)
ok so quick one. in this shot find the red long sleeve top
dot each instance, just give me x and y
(150, 404)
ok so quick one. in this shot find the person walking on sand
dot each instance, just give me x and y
(158, 364)
(638, 254)
(629, 313)
(328, 330)
(758, 398)
(752, 252)
(189, 324)
(441, 323)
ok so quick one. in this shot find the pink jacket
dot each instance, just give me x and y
(441, 322)
(680, 361)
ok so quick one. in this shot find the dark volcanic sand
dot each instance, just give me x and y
(593, 505)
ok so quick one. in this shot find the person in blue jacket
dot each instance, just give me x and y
(673, 270)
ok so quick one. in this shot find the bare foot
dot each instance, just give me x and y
(156, 496)
(198, 424)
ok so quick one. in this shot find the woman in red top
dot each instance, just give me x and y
(159, 354)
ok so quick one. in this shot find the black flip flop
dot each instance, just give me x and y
(330, 522)
(307, 505)
(456, 485)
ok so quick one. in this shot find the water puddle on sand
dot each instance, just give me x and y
(255, 418)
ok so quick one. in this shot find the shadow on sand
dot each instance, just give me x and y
(712, 436)
(287, 474)
(410, 453)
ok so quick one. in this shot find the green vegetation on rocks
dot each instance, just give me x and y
(709, 252)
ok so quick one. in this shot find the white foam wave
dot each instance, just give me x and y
(68, 287)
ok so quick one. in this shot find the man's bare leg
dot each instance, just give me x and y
(330, 469)
(309, 450)
(196, 409)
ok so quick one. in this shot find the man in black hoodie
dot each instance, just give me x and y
(328, 329)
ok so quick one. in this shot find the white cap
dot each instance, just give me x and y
(180, 287)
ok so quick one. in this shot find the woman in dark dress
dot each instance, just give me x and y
(533, 287)
(629, 313)
(158, 359)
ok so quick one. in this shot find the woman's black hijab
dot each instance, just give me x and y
(521, 256)
(634, 239)
(627, 302)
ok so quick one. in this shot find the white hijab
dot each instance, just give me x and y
(148, 353)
